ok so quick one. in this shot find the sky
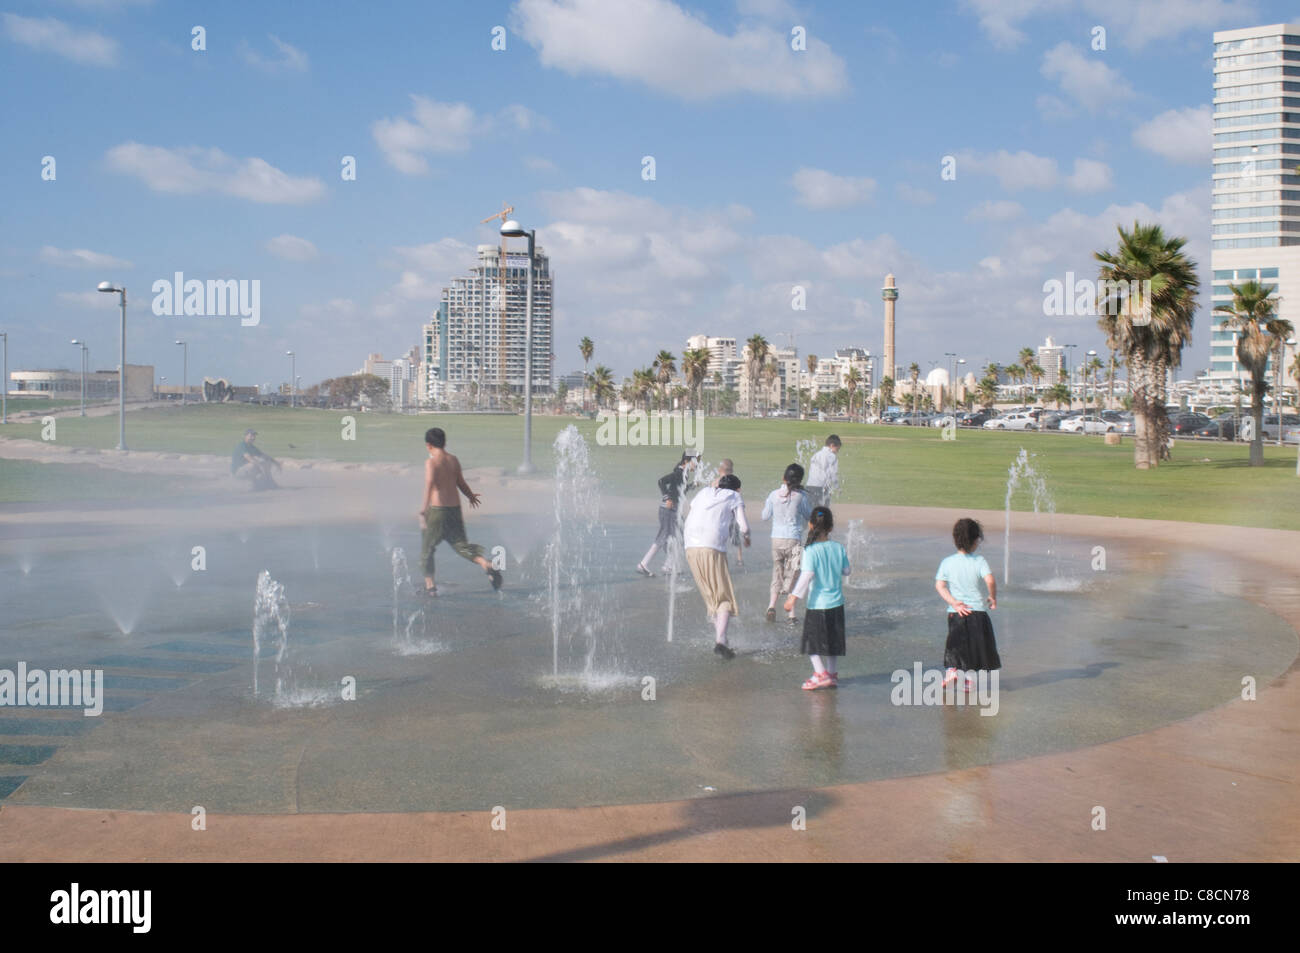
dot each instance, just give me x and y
(774, 168)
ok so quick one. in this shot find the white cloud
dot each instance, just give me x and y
(441, 128)
(80, 258)
(1024, 170)
(49, 35)
(1089, 176)
(1085, 78)
(995, 211)
(292, 248)
(657, 43)
(1180, 135)
(1131, 24)
(1013, 170)
(192, 170)
(914, 196)
(819, 189)
(289, 58)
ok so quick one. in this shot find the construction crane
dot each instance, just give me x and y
(504, 215)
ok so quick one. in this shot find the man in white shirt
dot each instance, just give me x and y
(706, 534)
(824, 472)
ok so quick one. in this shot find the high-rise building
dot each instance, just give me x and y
(1051, 358)
(1256, 230)
(474, 348)
(722, 360)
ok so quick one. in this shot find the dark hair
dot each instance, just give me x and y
(793, 477)
(435, 437)
(688, 455)
(729, 482)
(822, 524)
(833, 440)
(966, 533)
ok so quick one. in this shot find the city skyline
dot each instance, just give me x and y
(215, 163)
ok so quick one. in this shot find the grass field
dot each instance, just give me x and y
(900, 466)
(19, 404)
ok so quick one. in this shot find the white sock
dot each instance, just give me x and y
(817, 664)
(720, 626)
(650, 554)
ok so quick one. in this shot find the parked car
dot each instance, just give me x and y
(1224, 427)
(1186, 424)
(943, 420)
(1087, 424)
(1271, 425)
(1019, 421)
(1052, 420)
(973, 418)
(1114, 415)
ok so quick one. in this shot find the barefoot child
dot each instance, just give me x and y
(440, 514)
(788, 507)
(824, 565)
(971, 647)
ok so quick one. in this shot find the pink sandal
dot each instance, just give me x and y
(818, 680)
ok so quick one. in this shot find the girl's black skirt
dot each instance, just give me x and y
(823, 632)
(971, 646)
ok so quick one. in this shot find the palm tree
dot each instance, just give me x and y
(1036, 372)
(1060, 393)
(1026, 359)
(811, 362)
(643, 385)
(915, 372)
(695, 365)
(851, 381)
(1016, 374)
(1253, 316)
(758, 348)
(886, 393)
(665, 366)
(1147, 300)
(1092, 367)
(586, 349)
(717, 390)
(602, 384)
(769, 376)
(988, 391)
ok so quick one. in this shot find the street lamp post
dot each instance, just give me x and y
(185, 374)
(84, 350)
(1092, 355)
(1069, 371)
(512, 229)
(109, 288)
(293, 376)
(952, 370)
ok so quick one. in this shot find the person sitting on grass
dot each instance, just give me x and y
(248, 462)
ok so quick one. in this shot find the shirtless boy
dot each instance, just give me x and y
(440, 515)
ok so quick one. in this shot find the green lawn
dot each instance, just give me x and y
(902, 466)
(22, 481)
(17, 404)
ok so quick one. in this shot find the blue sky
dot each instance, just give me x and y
(774, 168)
